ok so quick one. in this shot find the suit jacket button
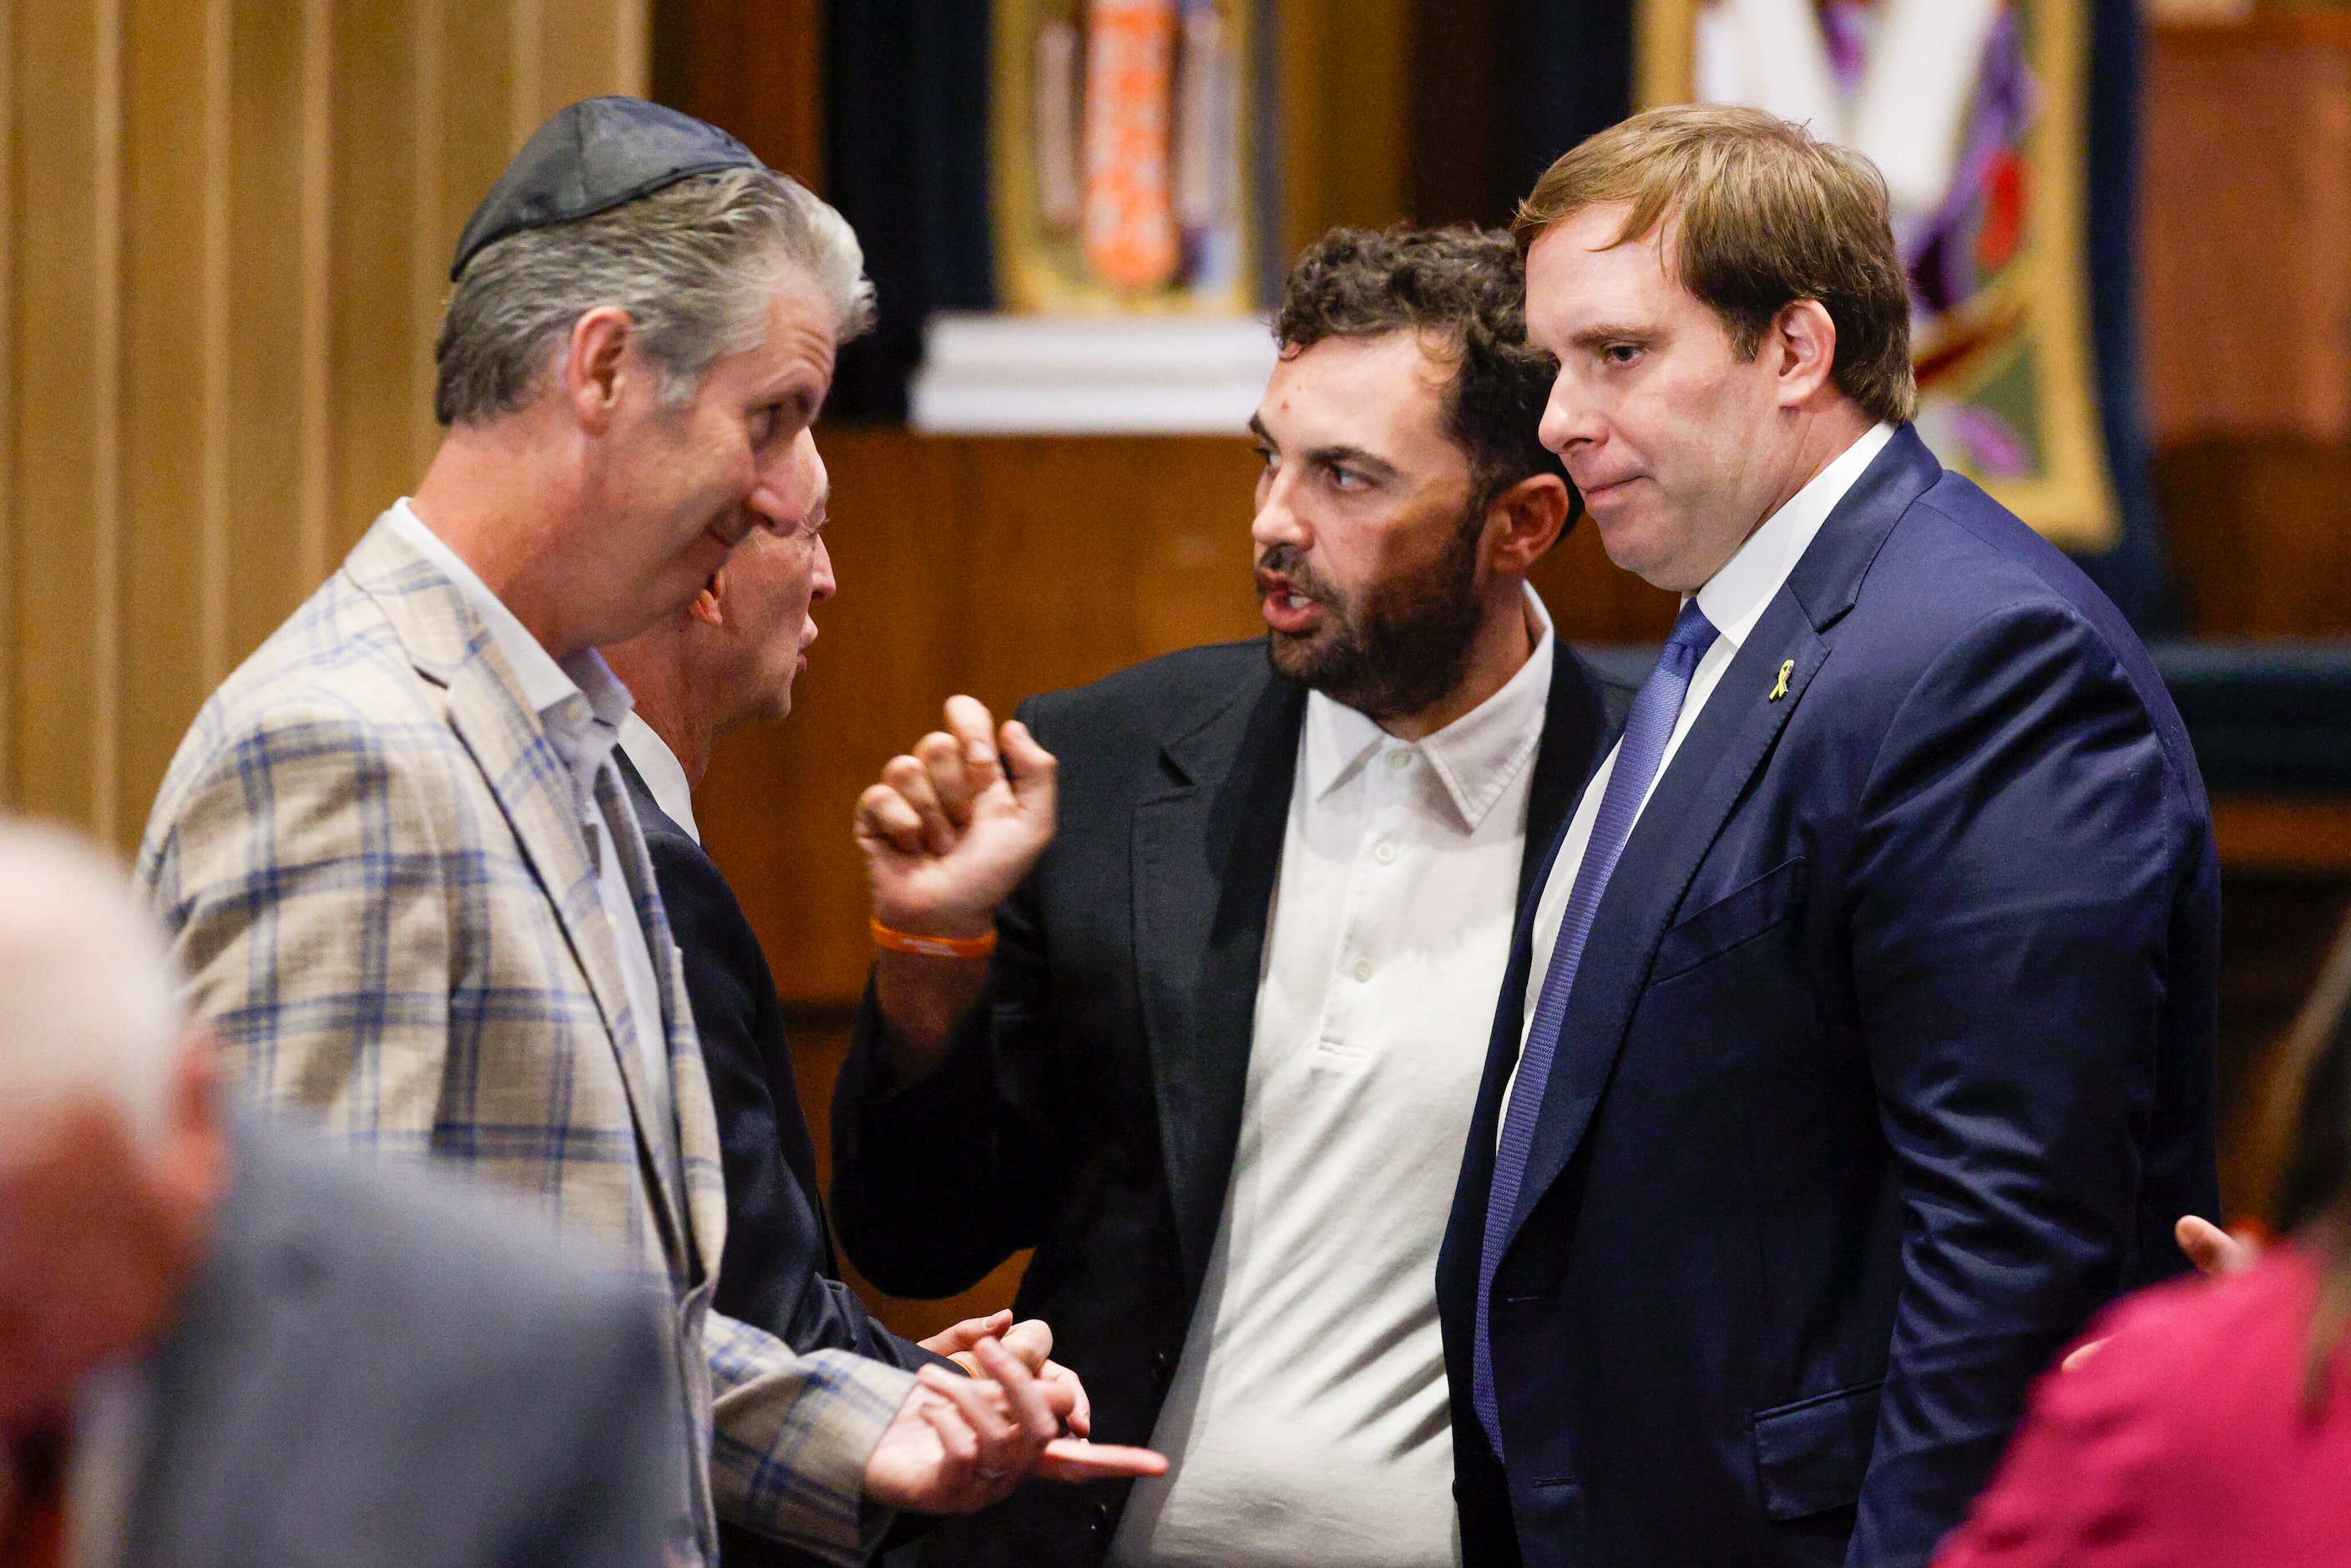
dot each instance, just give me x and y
(1163, 1368)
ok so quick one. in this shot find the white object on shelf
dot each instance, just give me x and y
(1176, 375)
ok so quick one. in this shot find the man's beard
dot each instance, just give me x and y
(1401, 647)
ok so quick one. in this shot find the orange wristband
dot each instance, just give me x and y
(933, 946)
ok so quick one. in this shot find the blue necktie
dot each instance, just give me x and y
(1647, 729)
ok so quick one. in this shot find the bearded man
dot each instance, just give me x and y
(1207, 1053)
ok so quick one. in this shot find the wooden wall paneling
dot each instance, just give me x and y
(484, 102)
(776, 805)
(2245, 230)
(428, 259)
(1345, 92)
(585, 47)
(276, 546)
(66, 228)
(1054, 562)
(372, 352)
(999, 567)
(2255, 532)
(8, 406)
(752, 68)
(1193, 552)
(174, 371)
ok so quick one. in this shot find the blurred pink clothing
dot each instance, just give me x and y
(2181, 1442)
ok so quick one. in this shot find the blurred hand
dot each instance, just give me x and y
(946, 835)
(2217, 1254)
(958, 1444)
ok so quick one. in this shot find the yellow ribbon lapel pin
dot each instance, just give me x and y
(1787, 668)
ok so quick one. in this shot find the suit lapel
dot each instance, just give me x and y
(1575, 733)
(1206, 853)
(451, 648)
(1729, 744)
(703, 1202)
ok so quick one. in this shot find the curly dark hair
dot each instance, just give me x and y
(1468, 287)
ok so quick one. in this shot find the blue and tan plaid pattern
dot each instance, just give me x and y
(368, 856)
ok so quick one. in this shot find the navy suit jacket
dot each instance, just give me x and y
(777, 1271)
(1889, 1061)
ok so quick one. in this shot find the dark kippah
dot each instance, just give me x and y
(593, 155)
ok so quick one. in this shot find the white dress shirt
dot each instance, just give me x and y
(1733, 599)
(663, 774)
(581, 705)
(1307, 1423)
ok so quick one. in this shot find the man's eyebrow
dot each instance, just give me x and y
(1257, 428)
(1351, 457)
(1600, 334)
(816, 512)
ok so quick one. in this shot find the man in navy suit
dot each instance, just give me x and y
(1857, 1039)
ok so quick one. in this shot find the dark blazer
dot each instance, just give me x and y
(1090, 1110)
(777, 1271)
(1890, 1061)
(376, 1368)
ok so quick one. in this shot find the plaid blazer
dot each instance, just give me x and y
(369, 859)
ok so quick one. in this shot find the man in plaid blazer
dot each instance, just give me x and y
(399, 863)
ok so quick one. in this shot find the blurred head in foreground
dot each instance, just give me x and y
(1404, 496)
(111, 1155)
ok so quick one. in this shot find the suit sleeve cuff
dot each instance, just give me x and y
(791, 1437)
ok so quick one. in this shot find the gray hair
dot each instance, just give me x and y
(88, 995)
(694, 264)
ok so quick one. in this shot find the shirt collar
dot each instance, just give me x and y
(665, 775)
(548, 687)
(1735, 597)
(1476, 756)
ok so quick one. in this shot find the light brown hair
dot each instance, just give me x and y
(1765, 214)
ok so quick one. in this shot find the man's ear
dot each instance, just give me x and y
(1803, 338)
(595, 363)
(706, 606)
(1524, 522)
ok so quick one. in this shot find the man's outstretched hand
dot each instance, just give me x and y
(960, 1443)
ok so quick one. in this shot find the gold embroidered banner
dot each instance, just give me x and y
(1974, 110)
(1121, 136)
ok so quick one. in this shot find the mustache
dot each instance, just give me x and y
(1290, 562)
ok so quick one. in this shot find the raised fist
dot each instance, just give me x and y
(946, 834)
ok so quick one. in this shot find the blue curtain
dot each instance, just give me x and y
(2132, 572)
(908, 164)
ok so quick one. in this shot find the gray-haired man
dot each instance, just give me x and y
(396, 855)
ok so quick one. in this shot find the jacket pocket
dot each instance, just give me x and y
(1739, 917)
(1811, 1457)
